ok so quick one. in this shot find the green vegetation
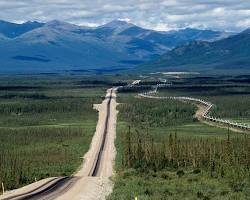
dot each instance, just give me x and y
(166, 184)
(46, 125)
(165, 153)
(230, 102)
(157, 113)
(31, 154)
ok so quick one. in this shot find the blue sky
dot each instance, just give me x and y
(231, 15)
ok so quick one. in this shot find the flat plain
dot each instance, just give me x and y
(164, 152)
(46, 125)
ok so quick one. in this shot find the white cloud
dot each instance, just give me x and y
(243, 23)
(156, 14)
(163, 27)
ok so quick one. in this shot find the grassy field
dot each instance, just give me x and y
(165, 153)
(46, 125)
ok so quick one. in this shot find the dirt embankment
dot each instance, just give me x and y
(201, 109)
(97, 188)
(82, 186)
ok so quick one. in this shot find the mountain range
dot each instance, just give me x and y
(229, 54)
(60, 46)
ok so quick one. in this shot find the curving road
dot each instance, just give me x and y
(204, 109)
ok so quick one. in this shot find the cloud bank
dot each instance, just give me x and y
(230, 15)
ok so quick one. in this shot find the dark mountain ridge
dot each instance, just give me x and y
(57, 45)
(229, 53)
(12, 30)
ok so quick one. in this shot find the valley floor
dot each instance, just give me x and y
(46, 125)
(163, 150)
(149, 130)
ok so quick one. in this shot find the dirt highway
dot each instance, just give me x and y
(92, 181)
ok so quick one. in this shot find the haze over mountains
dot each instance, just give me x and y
(59, 46)
(232, 53)
(12, 30)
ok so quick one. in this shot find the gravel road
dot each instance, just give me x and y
(84, 185)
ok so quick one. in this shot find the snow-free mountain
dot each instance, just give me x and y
(229, 54)
(59, 46)
(12, 30)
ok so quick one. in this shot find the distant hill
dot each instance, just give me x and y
(12, 30)
(60, 46)
(232, 53)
